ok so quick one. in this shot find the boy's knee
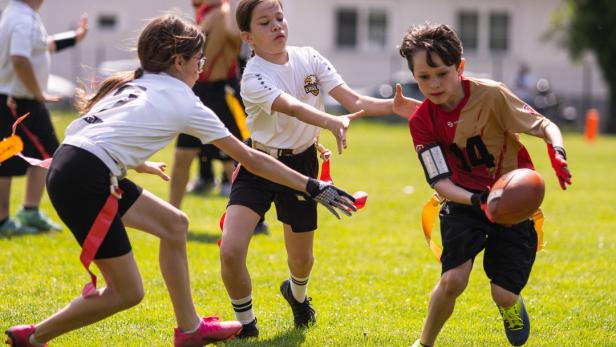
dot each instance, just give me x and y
(453, 284)
(304, 260)
(231, 255)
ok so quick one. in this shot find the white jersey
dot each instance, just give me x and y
(22, 33)
(307, 76)
(138, 119)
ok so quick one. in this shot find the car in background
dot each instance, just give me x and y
(387, 90)
(60, 86)
(383, 90)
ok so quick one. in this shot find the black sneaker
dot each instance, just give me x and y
(303, 313)
(249, 330)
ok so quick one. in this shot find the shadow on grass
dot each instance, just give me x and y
(291, 337)
(10, 235)
(203, 237)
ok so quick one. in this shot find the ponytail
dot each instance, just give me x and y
(162, 40)
(84, 101)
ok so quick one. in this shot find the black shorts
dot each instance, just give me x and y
(38, 123)
(78, 186)
(213, 95)
(509, 252)
(292, 207)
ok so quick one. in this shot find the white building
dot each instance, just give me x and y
(358, 36)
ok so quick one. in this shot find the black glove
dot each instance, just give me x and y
(331, 197)
(480, 202)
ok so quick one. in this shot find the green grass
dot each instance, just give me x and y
(373, 273)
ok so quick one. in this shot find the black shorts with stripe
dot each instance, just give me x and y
(292, 207)
(213, 95)
(509, 251)
(78, 186)
(38, 123)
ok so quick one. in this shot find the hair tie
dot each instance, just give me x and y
(139, 72)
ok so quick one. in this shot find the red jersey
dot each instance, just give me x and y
(479, 138)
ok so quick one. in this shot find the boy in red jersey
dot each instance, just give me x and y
(466, 136)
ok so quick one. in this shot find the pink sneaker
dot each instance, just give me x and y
(19, 335)
(211, 329)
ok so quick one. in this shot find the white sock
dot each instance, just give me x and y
(243, 309)
(34, 342)
(299, 288)
(193, 330)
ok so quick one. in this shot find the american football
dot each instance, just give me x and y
(515, 196)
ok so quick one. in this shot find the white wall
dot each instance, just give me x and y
(312, 22)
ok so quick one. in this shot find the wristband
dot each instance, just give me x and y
(65, 40)
(561, 151)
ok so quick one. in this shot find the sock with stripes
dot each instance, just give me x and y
(243, 309)
(299, 288)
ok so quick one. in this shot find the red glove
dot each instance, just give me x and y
(558, 158)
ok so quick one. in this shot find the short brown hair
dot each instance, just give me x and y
(432, 38)
(244, 10)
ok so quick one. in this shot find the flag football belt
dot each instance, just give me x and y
(431, 209)
(325, 176)
(97, 233)
(35, 141)
(13, 145)
(278, 152)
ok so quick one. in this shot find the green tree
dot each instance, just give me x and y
(590, 25)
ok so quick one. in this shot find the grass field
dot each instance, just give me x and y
(373, 272)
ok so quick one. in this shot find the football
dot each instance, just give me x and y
(515, 196)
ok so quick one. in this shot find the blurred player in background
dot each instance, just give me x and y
(218, 88)
(25, 51)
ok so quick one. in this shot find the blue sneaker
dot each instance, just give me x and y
(13, 227)
(517, 324)
(37, 219)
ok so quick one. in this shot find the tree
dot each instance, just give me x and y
(590, 25)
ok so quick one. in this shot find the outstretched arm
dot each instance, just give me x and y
(267, 167)
(352, 101)
(290, 106)
(58, 42)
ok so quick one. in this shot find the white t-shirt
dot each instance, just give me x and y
(22, 33)
(307, 76)
(135, 121)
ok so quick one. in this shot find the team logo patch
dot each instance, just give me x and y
(310, 85)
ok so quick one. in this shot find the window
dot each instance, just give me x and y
(468, 28)
(377, 28)
(361, 29)
(499, 31)
(107, 22)
(346, 28)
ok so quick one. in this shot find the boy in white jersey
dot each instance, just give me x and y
(132, 116)
(283, 88)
